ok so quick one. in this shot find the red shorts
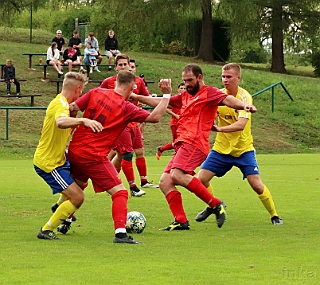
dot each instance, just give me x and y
(130, 139)
(186, 157)
(103, 174)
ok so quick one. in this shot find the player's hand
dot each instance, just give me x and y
(95, 126)
(215, 128)
(133, 97)
(250, 108)
(165, 86)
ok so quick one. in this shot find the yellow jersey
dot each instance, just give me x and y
(50, 152)
(239, 142)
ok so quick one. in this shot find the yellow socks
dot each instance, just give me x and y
(62, 213)
(61, 199)
(210, 189)
(267, 201)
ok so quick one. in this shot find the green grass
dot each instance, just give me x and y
(248, 249)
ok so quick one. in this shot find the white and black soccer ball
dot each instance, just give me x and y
(136, 222)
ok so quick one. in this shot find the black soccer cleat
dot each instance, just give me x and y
(64, 227)
(277, 221)
(126, 239)
(47, 235)
(176, 226)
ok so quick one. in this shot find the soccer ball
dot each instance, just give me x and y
(136, 222)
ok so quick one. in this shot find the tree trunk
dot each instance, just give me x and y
(205, 50)
(277, 64)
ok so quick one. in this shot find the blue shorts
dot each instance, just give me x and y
(220, 164)
(59, 179)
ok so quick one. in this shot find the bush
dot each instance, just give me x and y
(178, 48)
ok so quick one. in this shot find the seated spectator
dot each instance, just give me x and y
(60, 41)
(70, 57)
(90, 56)
(95, 44)
(77, 44)
(111, 46)
(10, 77)
(53, 55)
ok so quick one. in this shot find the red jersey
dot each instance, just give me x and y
(174, 120)
(113, 112)
(141, 89)
(197, 115)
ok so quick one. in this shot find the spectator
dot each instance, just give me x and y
(111, 46)
(10, 77)
(60, 41)
(75, 41)
(53, 58)
(70, 57)
(90, 56)
(95, 44)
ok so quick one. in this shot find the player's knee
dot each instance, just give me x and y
(127, 156)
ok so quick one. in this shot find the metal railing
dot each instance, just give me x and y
(272, 92)
(7, 108)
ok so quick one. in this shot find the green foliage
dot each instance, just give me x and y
(315, 61)
(178, 48)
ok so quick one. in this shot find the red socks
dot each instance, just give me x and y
(174, 200)
(128, 170)
(141, 166)
(195, 186)
(119, 209)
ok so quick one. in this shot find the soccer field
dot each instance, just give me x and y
(248, 249)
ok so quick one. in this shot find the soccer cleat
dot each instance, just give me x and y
(64, 227)
(176, 226)
(54, 208)
(47, 235)
(277, 221)
(148, 184)
(203, 215)
(126, 239)
(220, 213)
(158, 153)
(136, 192)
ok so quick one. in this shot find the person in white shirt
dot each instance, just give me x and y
(53, 55)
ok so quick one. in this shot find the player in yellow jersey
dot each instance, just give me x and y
(233, 145)
(50, 160)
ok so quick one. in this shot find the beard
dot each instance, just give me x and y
(193, 90)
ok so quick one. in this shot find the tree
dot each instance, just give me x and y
(280, 20)
(205, 50)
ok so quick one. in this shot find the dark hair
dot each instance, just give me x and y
(181, 84)
(194, 68)
(53, 44)
(121, 56)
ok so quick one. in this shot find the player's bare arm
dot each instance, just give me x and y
(64, 122)
(235, 127)
(235, 103)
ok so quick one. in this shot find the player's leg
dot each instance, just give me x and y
(141, 163)
(105, 178)
(174, 200)
(60, 180)
(250, 170)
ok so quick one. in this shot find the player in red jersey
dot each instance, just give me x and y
(130, 140)
(173, 126)
(88, 151)
(198, 106)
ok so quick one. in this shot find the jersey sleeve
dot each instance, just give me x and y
(142, 87)
(82, 102)
(176, 101)
(215, 95)
(134, 114)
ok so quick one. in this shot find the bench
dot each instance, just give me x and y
(32, 54)
(58, 81)
(2, 80)
(64, 65)
(12, 96)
